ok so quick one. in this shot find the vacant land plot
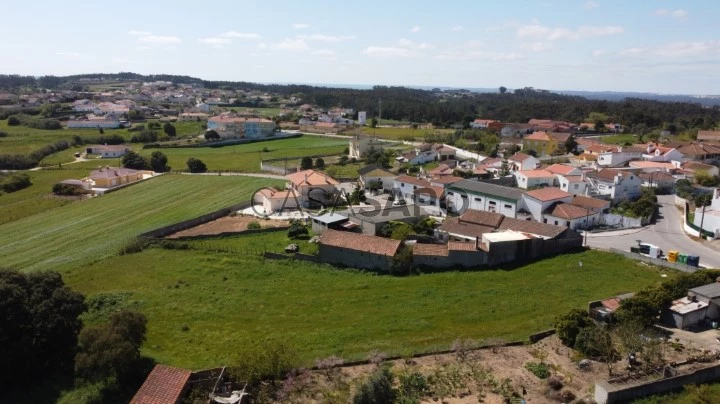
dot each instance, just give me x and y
(88, 231)
(401, 133)
(230, 224)
(246, 157)
(204, 306)
(37, 197)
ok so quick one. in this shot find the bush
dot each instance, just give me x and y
(269, 361)
(135, 161)
(3, 134)
(538, 369)
(555, 383)
(319, 163)
(145, 136)
(196, 165)
(254, 225)
(568, 326)
(212, 135)
(297, 229)
(65, 189)
(306, 163)
(158, 162)
(15, 182)
(13, 121)
(377, 389)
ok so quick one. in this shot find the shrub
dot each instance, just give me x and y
(555, 383)
(568, 326)
(413, 386)
(15, 182)
(306, 163)
(254, 225)
(65, 189)
(212, 135)
(135, 161)
(196, 165)
(377, 389)
(13, 121)
(3, 134)
(135, 245)
(269, 361)
(297, 229)
(319, 163)
(538, 369)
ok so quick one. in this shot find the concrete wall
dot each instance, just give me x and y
(655, 261)
(482, 202)
(606, 393)
(625, 222)
(354, 259)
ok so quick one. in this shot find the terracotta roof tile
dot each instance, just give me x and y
(437, 250)
(532, 227)
(519, 157)
(536, 173)
(482, 218)
(461, 246)
(567, 211)
(547, 194)
(560, 169)
(164, 385)
(455, 226)
(412, 180)
(590, 203)
(360, 242)
(310, 178)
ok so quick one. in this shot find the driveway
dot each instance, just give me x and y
(666, 233)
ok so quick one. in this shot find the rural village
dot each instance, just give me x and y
(251, 178)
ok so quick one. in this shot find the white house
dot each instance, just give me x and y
(404, 186)
(312, 187)
(470, 194)
(481, 123)
(571, 216)
(618, 158)
(111, 151)
(538, 200)
(362, 118)
(661, 153)
(521, 161)
(710, 220)
(617, 185)
(564, 169)
(372, 174)
(534, 178)
(361, 146)
(573, 184)
(418, 156)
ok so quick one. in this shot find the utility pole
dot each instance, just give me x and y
(380, 110)
(702, 219)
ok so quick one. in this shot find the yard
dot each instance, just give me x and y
(246, 157)
(88, 231)
(396, 133)
(203, 305)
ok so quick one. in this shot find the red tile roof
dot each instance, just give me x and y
(567, 211)
(482, 218)
(608, 174)
(310, 178)
(412, 180)
(519, 157)
(561, 169)
(446, 179)
(461, 246)
(536, 173)
(164, 385)
(360, 242)
(547, 194)
(539, 136)
(436, 250)
(455, 226)
(708, 135)
(590, 203)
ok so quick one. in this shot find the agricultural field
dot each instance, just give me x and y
(202, 305)
(619, 139)
(87, 231)
(246, 157)
(265, 112)
(36, 198)
(401, 133)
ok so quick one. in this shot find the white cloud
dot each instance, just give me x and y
(327, 38)
(479, 55)
(215, 41)
(414, 45)
(684, 49)
(290, 44)
(241, 35)
(589, 5)
(159, 39)
(298, 25)
(262, 46)
(598, 52)
(679, 14)
(388, 51)
(415, 29)
(473, 44)
(633, 51)
(69, 54)
(536, 46)
(139, 33)
(457, 28)
(541, 32)
(120, 60)
(323, 52)
(143, 48)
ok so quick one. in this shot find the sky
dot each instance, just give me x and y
(596, 45)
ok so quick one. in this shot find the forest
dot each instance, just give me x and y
(440, 108)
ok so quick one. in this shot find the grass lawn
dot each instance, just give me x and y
(265, 112)
(227, 300)
(246, 157)
(34, 199)
(706, 393)
(619, 139)
(401, 133)
(88, 231)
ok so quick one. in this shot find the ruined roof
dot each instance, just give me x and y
(375, 171)
(360, 242)
(455, 226)
(165, 384)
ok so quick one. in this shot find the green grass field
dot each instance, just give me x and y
(88, 231)
(246, 157)
(35, 199)
(401, 133)
(706, 393)
(265, 112)
(619, 139)
(227, 300)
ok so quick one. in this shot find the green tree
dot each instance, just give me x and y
(502, 89)
(306, 163)
(196, 165)
(297, 229)
(378, 389)
(319, 163)
(111, 349)
(569, 325)
(570, 144)
(135, 161)
(13, 121)
(373, 122)
(599, 126)
(158, 162)
(39, 324)
(169, 129)
(212, 135)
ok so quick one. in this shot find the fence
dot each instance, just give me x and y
(691, 228)
(231, 233)
(219, 143)
(625, 222)
(209, 217)
(655, 261)
(606, 393)
(297, 256)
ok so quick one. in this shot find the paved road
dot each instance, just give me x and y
(666, 233)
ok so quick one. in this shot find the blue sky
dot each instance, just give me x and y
(654, 46)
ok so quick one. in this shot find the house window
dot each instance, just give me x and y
(402, 185)
(451, 193)
(568, 223)
(478, 199)
(463, 196)
(544, 220)
(565, 186)
(508, 206)
(575, 186)
(556, 223)
(493, 203)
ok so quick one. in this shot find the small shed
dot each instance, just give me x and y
(685, 313)
(328, 221)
